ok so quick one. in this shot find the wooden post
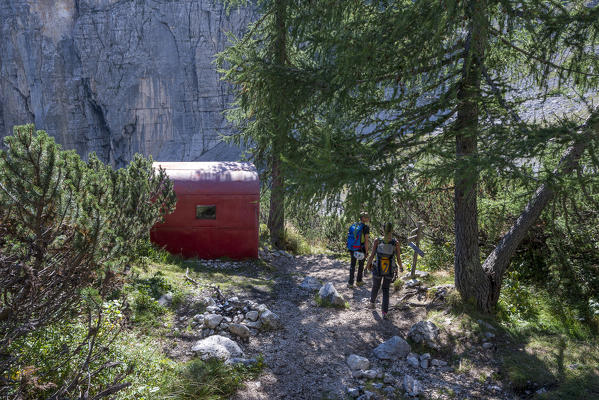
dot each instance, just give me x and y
(415, 259)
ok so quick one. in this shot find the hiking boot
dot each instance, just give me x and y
(350, 285)
(371, 305)
(385, 316)
(360, 283)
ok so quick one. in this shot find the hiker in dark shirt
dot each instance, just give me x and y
(364, 232)
(384, 270)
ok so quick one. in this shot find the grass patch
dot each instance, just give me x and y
(560, 356)
(211, 379)
(568, 368)
(583, 385)
(254, 275)
(325, 303)
(542, 342)
(438, 277)
(146, 310)
(398, 284)
(299, 244)
(231, 282)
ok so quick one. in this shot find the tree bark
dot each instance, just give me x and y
(276, 216)
(470, 279)
(498, 261)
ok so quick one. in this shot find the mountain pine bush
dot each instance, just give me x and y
(67, 228)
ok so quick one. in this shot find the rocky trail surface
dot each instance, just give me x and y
(308, 355)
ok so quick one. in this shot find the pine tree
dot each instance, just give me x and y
(67, 228)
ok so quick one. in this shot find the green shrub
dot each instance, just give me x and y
(149, 253)
(155, 286)
(398, 284)
(72, 226)
(145, 307)
(50, 357)
(438, 256)
(295, 242)
(264, 234)
(178, 299)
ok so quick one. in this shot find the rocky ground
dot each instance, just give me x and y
(307, 348)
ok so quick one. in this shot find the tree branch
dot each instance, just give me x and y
(498, 35)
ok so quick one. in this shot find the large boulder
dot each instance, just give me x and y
(425, 332)
(392, 349)
(310, 283)
(217, 346)
(207, 301)
(329, 294)
(356, 362)
(418, 274)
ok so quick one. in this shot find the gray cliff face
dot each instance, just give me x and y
(118, 76)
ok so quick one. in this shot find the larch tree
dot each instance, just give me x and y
(437, 89)
(265, 67)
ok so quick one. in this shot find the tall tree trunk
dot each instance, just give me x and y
(498, 261)
(276, 216)
(470, 279)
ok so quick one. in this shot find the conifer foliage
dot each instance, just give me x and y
(66, 226)
(394, 91)
(267, 69)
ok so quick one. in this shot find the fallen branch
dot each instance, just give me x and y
(188, 278)
(219, 294)
(409, 294)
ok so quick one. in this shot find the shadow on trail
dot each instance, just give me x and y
(307, 357)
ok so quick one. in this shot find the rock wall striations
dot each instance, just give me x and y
(118, 76)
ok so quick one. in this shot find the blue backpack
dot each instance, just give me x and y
(354, 237)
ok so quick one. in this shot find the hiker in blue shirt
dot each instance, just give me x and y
(357, 245)
(385, 270)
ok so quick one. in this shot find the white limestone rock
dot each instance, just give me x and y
(329, 294)
(212, 320)
(392, 349)
(412, 386)
(253, 324)
(239, 330)
(252, 315)
(270, 320)
(412, 360)
(356, 362)
(217, 346)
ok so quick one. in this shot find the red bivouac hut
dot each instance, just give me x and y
(216, 213)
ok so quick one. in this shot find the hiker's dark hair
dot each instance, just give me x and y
(388, 227)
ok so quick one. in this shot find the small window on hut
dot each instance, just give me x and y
(205, 212)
